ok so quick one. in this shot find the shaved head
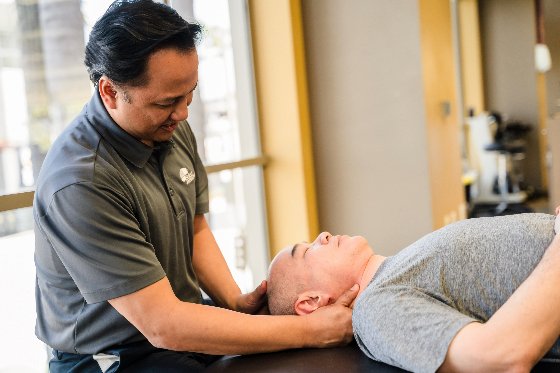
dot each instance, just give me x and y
(309, 275)
(285, 283)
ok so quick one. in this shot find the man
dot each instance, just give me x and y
(122, 245)
(478, 295)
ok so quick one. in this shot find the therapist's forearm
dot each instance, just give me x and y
(172, 324)
(193, 327)
(211, 268)
(229, 332)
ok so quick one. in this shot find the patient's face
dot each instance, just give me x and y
(330, 263)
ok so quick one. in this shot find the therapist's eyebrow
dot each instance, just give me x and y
(195, 85)
(165, 99)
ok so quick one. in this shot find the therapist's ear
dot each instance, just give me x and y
(309, 302)
(108, 92)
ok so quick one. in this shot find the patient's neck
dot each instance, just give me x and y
(370, 270)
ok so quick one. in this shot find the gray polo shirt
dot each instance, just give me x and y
(112, 216)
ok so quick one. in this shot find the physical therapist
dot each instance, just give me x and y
(122, 245)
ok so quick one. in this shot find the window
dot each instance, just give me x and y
(223, 118)
(43, 85)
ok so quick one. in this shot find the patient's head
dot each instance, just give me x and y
(307, 276)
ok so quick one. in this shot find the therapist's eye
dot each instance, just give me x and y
(164, 105)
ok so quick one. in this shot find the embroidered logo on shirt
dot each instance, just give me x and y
(186, 175)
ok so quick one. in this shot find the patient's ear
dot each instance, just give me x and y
(310, 301)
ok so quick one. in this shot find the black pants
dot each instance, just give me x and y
(140, 357)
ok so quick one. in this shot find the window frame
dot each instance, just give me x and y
(14, 201)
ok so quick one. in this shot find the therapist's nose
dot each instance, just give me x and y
(180, 111)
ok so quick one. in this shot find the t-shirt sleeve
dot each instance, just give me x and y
(102, 248)
(405, 327)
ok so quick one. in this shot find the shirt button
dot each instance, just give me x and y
(171, 191)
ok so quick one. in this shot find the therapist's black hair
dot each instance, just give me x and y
(123, 39)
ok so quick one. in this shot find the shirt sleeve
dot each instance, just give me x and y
(405, 327)
(95, 234)
(202, 199)
(202, 202)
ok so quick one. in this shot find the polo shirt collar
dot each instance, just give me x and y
(130, 148)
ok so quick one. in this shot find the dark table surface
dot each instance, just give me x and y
(348, 359)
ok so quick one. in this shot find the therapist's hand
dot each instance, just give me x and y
(332, 325)
(254, 302)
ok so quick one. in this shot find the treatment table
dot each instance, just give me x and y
(348, 359)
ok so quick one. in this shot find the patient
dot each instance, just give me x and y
(481, 294)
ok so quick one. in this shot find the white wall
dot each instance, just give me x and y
(368, 119)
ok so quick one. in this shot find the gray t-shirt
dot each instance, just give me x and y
(112, 216)
(420, 298)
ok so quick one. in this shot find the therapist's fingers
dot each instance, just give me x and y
(347, 298)
(557, 211)
(263, 310)
(254, 301)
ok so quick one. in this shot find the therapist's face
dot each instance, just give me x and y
(151, 112)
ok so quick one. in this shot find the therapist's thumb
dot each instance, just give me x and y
(347, 298)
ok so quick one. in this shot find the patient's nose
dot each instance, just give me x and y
(324, 238)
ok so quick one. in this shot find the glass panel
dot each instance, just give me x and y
(237, 220)
(21, 350)
(43, 82)
(223, 118)
(223, 111)
(43, 85)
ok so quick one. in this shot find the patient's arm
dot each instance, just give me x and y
(521, 332)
